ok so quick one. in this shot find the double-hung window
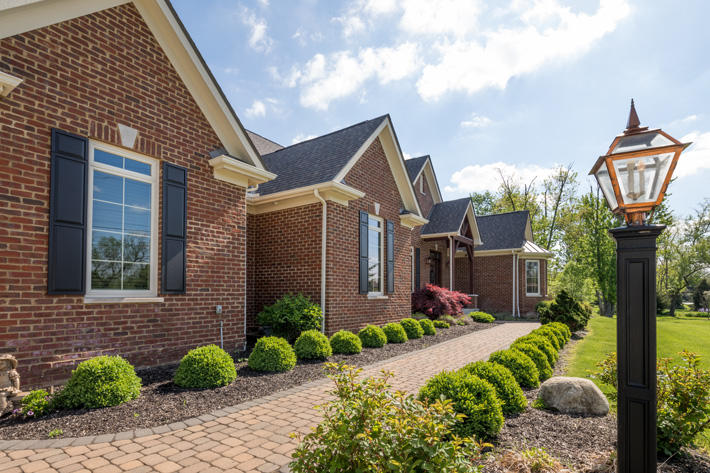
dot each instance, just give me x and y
(123, 220)
(532, 277)
(375, 255)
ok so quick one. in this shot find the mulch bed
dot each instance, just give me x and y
(582, 444)
(161, 402)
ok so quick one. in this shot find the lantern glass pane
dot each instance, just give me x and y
(604, 181)
(641, 178)
(641, 141)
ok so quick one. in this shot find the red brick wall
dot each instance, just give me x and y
(85, 76)
(527, 303)
(346, 308)
(493, 284)
(425, 200)
(426, 203)
(284, 255)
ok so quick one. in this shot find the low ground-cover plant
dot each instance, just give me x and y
(100, 382)
(370, 428)
(419, 316)
(564, 309)
(36, 404)
(272, 354)
(428, 327)
(291, 315)
(312, 345)
(412, 328)
(441, 324)
(205, 367)
(543, 343)
(532, 460)
(395, 333)
(372, 336)
(435, 301)
(507, 389)
(539, 358)
(345, 343)
(482, 317)
(473, 397)
(520, 365)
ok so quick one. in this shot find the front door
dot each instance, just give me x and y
(435, 268)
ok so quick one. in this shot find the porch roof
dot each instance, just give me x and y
(447, 217)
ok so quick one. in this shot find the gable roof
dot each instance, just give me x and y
(504, 231)
(415, 165)
(447, 217)
(423, 166)
(316, 160)
(20, 16)
(263, 145)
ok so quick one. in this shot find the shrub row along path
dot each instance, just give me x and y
(250, 437)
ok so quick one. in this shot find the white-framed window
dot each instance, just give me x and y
(421, 184)
(532, 277)
(122, 222)
(375, 252)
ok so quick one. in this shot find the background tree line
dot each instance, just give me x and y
(574, 222)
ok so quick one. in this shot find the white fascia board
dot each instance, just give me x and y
(330, 191)
(239, 173)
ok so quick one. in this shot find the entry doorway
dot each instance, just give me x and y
(435, 268)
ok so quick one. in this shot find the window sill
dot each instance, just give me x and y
(533, 295)
(121, 300)
(377, 296)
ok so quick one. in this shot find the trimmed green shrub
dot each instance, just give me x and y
(428, 327)
(102, 381)
(482, 317)
(272, 354)
(372, 336)
(36, 404)
(543, 344)
(520, 365)
(369, 427)
(346, 343)
(539, 358)
(564, 309)
(312, 345)
(472, 397)
(395, 333)
(291, 315)
(205, 367)
(412, 328)
(507, 389)
(556, 338)
(563, 329)
(441, 324)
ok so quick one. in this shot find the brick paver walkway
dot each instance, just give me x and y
(250, 437)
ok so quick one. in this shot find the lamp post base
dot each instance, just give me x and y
(636, 346)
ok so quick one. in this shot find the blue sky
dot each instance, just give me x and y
(479, 85)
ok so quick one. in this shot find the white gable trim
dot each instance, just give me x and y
(428, 171)
(471, 216)
(19, 16)
(396, 161)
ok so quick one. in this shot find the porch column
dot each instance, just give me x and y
(452, 262)
(469, 252)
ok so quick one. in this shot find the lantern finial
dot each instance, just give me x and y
(634, 122)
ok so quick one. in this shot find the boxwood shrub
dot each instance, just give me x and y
(291, 315)
(205, 367)
(482, 317)
(507, 389)
(102, 381)
(372, 336)
(395, 333)
(543, 343)
(441, 324)
(473, 397)
(412, 328)
(428, 327)
(555, 337)
(539, 358)
(312, 345)
(272, 354)
(346, 343)
(561, 328)
(520, 365)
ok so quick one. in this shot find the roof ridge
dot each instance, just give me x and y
(328, 134)
(504, 213)
(262, 136)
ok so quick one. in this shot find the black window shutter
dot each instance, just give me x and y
(363, 251)
(417, 280)
(390, 256)
(66, 265)
(174, 228)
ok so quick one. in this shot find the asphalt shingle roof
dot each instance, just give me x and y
(317, 160)
(414, 165)
(263, 145)
(446, 217)
(502, 231)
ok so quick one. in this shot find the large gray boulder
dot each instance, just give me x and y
(573, 396)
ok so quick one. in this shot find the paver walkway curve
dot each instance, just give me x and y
(250, 437)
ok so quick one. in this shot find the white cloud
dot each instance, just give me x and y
(696, 158)
(476, 121)
(324, 79)
(301, 137)
(257, 109)
(457, 17)
(486, 177)
(259, 39)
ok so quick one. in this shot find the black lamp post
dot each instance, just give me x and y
(634, 176)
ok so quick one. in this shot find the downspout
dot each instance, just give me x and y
(517, 298)
(323, 243)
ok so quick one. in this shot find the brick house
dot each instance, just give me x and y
(123, 189)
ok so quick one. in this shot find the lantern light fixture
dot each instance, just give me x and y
(635, 172)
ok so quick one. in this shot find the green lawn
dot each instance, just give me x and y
(674, 335)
